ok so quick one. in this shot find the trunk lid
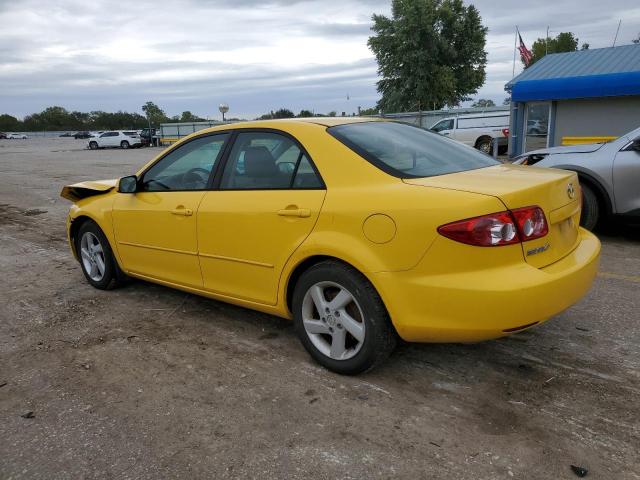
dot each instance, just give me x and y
(557, 192)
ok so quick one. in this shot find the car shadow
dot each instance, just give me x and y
(620, 229)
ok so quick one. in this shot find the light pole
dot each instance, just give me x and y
(150, 136)
(224, 108)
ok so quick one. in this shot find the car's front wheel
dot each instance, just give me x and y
(340, 319)
(93, 145)
(590, 208)
(124, 144)
(96, 258)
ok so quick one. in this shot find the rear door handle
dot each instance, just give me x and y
(185, 212)
(295, 212)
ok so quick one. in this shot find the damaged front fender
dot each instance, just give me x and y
(81, 190)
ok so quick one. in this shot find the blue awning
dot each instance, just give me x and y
(588, 86)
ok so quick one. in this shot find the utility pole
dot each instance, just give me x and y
(617, 31)
(546, 42)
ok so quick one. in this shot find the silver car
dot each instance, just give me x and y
(609, 175)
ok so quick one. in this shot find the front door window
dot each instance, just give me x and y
(188, 167)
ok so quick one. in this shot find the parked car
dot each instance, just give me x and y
(3, 135)
(20, 136)
(477, 129)
(609, 174)
(82, 134)
(148, 137)
(119, 138)
(360, 230)
(536, 127)
(65, 134)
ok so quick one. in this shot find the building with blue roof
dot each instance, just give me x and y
(575, 97)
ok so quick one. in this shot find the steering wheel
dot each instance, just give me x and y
(196, 177)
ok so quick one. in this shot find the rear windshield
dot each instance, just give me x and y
(406, 151)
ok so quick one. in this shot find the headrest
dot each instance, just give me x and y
(258, 162)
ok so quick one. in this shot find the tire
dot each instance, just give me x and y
(485, 145)
(99, 254)
(93, 145)
(325, 334)
(124, 144)
(590, 208)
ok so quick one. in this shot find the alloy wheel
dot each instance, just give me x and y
(92, 256)
(333, 320)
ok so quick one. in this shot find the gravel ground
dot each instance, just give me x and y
(148, 382)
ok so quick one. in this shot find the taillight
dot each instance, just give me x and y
(505, 132)
(486, 231)
(531, 222)
(498, 229)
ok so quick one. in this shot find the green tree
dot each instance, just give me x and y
(430, 54)
(483, 103)
(506, 101)
(283, 113)
(154, 113)
(369, 111)
(305, 114)
(266, 116)
(58, 118)
(564, 42)
(187, 116)
(9, 123)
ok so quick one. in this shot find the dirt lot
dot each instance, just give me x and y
(147, 382)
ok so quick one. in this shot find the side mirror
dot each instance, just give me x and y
(128, 184)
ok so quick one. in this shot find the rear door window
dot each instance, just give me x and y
(268, 161)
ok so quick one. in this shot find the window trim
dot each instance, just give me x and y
(373, 160)
(208, 186)
(217, 179)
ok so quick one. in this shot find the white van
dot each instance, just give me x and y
(476, 129)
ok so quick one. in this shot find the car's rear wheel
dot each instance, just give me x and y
(340, 319)
(93, 145)
(96, 258)
(590, 208)
(124, 144)
(484, 144)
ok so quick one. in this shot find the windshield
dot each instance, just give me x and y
(406, 151)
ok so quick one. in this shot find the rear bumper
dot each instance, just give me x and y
(490, 303)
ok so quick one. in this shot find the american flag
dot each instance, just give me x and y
(525, 53)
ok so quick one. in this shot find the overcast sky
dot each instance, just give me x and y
(256, 55)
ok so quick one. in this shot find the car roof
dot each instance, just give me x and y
(325, 121)
(284, 122)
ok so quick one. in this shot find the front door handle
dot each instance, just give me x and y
(295, 212)
(185, 212)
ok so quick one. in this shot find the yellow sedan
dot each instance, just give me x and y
(360, 231)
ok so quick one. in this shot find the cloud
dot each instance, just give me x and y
(256, 55)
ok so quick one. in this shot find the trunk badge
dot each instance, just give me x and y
(541, 249)
(571, 192)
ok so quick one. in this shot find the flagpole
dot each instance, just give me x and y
(515, 43)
